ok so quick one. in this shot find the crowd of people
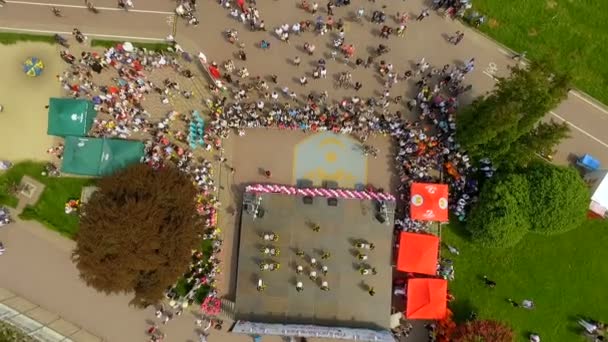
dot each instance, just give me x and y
(425, 145)
(123, 114)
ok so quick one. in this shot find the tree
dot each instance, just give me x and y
(559, 198)
(483, 331)
(497, 125)
(500, 217)
(137, 232)
(541, 140)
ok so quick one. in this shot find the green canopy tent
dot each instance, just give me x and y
(70, 117)
(98, 156)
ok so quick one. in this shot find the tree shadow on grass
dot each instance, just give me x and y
(459, 228)
(462, 309)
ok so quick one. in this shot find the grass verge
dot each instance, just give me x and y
(572, 33)
(9, 38)
(49, 210)
(182, 287)
(158, 46)
(563, 275)
(9, 333)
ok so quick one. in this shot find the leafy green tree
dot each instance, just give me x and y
(559, 198)
(541, 140)
(500, 218)
(499, 124)
(137, 232)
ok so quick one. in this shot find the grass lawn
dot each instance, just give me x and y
(182, 287)
(158, 46)
(565, 276)
(574, 32)
(8, 38)
(50, 207)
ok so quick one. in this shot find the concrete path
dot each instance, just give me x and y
(36, 267)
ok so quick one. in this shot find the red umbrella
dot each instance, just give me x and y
(113, 90)
(215, 72)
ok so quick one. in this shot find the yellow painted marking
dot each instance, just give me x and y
(331, 157)
(331, 141)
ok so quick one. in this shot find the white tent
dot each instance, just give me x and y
(598, 184)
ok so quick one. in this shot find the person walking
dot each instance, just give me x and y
(425, 13)
(489, 283)
(330, 8)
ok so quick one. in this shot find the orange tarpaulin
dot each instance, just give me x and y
(426, 298)
(429, 202)
(418, 253)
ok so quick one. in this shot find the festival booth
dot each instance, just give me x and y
(426, 298)
(418, 253)
(598, 183)
(70, 117)
(98, 156)
(429, 202)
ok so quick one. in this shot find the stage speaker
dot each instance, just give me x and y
(381, 218)
(307, 199)
(332, 202)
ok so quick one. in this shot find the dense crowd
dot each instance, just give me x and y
(425, 145)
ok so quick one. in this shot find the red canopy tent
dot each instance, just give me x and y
(418, 253)
(426, 298)
(429, 202)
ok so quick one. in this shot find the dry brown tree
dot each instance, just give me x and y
(137, 232)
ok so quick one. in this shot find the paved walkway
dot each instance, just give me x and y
(38, 322)
(37, 266)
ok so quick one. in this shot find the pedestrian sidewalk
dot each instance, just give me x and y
(39, 323)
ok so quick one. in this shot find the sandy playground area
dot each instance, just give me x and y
(23, 122)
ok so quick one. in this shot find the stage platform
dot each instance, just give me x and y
(347, 303)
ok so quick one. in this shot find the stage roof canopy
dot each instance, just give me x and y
(429, 202)
(418, 253)
(426, 298)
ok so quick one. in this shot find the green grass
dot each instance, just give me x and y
(159, 46)
(182, 287)
(50, 207)
(574, 32)
(565, 276)
(9, 38)
(9, 333)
